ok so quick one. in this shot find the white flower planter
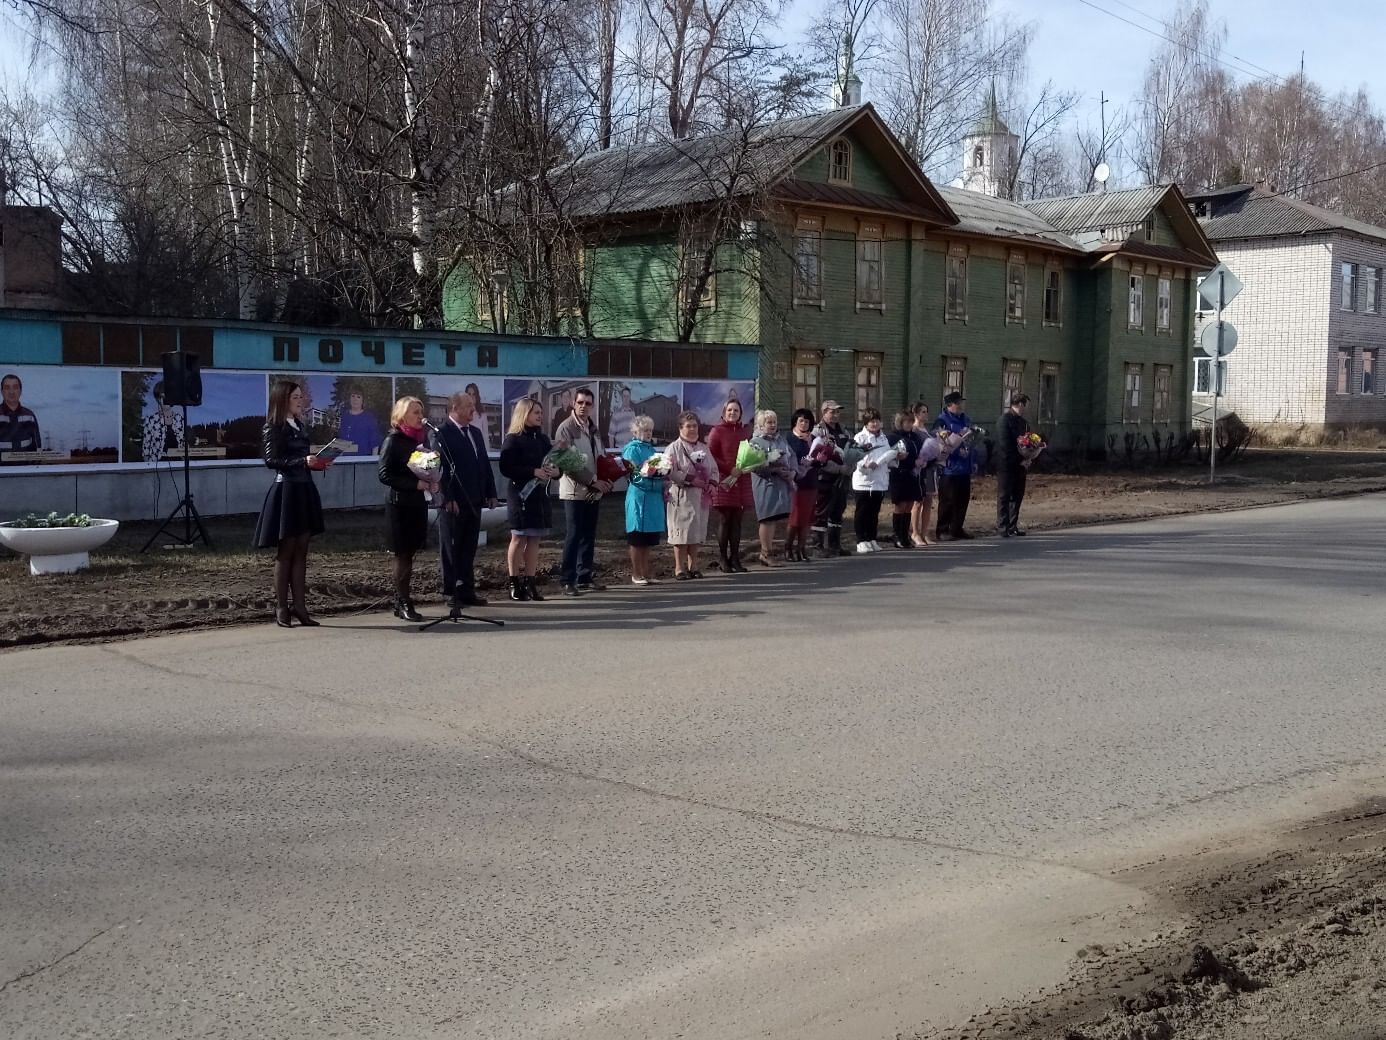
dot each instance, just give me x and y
(57, 550)
(489, 518)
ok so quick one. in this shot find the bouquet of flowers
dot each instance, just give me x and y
(655, 467)
(568, 461)
(1030, 445)
(887, 455)
(749, 457)
(612, 468)
(426, 465)
(822, 449)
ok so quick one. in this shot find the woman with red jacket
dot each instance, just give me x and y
(731, 496)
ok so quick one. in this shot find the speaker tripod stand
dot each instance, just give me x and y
(185, 507)
(456, 617)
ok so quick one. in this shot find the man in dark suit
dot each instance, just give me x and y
(468, 485)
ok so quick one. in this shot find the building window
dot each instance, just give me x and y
(1203, 376)
(1344, 371)
(1373, 290)
(1015, 288)
(698, 257)
(1048, 393)
(1369, 371)
(1053, 287)
(1203, 307)
(840, 169)
(572, 280)
(954, 376)
(1150, 228)
(1348, 302)
(808, 260)
(1131, 397)
(806, 375)
(1162, 381)
(868, 382)
(955, 297)
(870, 284)
(979, 157)
(1135, 299)
(1162, 305)
(1012, 380)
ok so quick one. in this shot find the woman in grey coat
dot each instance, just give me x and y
(772, 485)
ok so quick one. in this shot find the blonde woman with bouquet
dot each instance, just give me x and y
(692, 472)
(406, 507)
(525, 466)
(772, 484)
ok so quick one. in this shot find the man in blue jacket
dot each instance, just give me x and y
(955, 486)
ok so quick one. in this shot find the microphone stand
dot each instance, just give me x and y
(454, 614)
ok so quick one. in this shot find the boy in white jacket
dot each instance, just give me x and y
(871, 479)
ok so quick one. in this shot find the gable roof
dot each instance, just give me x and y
(1105, 221)
(668, 175)
(1244, 211)
(982, 214)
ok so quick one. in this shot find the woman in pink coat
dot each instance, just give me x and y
(731, 497)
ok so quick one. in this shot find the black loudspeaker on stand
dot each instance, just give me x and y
(183, 386)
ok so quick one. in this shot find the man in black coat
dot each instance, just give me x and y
(468, 485)
(1011, 467)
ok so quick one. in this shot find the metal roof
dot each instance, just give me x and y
(1096, 211)
(794, 190)
(698, 169)
(1262, 214)
(982, 214)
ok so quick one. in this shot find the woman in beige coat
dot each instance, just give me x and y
(692, 470)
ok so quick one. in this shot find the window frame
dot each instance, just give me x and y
(1047, 412)
(867, 394)
(1164, 304)
(1131, 392)
(573, 286)
(845, 147)
(1161, 396)
(1057, 272)
(697, 244)
(1203, 365)
(954, 365)
(1015, 289)
(1012, 379)
(1135, 298)
(808, 229)
(870, 234)
(1348, 277)
(1367, 374)
(956, 255)
(806, 394)
(1344, 372)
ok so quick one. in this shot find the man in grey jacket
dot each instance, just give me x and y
(581, 497)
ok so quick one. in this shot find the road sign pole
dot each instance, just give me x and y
(1215, 377)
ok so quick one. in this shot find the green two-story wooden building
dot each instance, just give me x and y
(821, 241)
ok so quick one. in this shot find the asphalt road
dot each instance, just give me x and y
(833, 801)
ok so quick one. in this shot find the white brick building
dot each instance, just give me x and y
(1311, 319)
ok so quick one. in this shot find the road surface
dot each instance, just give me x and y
(836, 801)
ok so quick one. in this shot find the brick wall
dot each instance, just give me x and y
(1280, 371)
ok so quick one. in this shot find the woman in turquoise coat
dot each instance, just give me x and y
(644, 502)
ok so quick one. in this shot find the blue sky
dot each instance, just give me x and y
(1083, 49)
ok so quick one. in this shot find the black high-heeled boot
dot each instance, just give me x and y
(516, 587)
(902, 531)
(404, 610)
(532, 588)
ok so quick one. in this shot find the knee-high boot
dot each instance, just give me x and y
(299, 584)
(283, 571)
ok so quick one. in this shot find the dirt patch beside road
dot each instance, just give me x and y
(126, 593)
(1281, 943)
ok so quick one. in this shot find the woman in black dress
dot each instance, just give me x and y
(904, 478)
(522, 461)
(292, 513)
(406, 509)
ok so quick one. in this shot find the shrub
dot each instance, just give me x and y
(54, 520)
